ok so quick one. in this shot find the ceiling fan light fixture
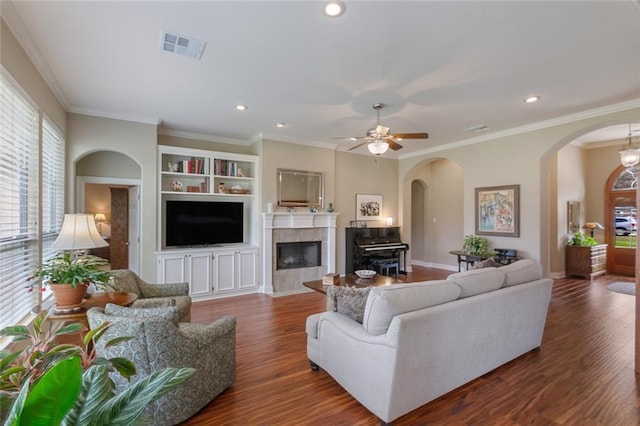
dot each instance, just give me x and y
(378, 147)
(334, 9)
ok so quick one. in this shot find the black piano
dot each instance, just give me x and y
(366, 247)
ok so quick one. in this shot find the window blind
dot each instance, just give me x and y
(52, 192)
(19, 245)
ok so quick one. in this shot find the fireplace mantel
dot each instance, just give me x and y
(295, 220)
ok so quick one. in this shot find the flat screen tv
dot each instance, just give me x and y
(201, 223)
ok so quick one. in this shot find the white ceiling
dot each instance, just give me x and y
(440, 67)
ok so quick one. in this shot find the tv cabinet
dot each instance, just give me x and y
(200, 175)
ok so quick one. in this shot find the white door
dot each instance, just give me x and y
(200, 273)
(172, 269)
(247, 269)
(225, 271)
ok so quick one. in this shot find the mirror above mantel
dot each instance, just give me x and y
(300, 188)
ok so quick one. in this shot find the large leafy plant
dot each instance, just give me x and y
(71, 269)
(476, 245)
(46, 382)
(580, 239)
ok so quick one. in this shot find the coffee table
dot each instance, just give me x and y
(97, 300)
(352, 280)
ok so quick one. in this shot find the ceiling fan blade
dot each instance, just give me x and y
(410, 135)
(356, 146)
(393, 144)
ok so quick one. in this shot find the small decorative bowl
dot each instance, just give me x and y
(365, 273)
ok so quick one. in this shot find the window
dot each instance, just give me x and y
(21, 237)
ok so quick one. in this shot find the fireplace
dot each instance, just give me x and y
(294, 255)
(315, 230)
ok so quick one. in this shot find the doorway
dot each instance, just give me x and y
(621, 220)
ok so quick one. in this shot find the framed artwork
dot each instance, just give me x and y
(368, 207)
(498, 211)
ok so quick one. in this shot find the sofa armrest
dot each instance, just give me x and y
(351, 330)
(163, 290)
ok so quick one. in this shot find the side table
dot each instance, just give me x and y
(97, 300)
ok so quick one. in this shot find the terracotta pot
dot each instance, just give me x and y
(68, 298)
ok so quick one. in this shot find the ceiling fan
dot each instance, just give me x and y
(379, 139)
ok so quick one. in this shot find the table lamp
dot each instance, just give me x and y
(79, 233)
(591, 226)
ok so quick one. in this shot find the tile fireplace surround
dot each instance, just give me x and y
(280, 227)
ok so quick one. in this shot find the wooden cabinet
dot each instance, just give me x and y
(235, 270)
(210, 272)
(193, 268)
(586, 262)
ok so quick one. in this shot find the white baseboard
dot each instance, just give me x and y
(434, 265)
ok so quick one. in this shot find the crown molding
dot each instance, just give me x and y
(155, 121)
(11, 17)
(288, 139)
(596, 112)
(203, 137)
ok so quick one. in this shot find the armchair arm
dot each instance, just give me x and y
(162, 290)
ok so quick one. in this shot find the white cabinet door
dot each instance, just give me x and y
(247, 263)
(225, 271)
(199, 268)
(172, 268)
(192, 268)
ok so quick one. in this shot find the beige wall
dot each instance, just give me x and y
(523, 159)
(18, 64)
(88, 134)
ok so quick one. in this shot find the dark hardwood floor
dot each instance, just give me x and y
(583, 373)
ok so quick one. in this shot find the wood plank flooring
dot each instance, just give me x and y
(582, 375)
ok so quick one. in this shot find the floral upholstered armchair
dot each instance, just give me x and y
(153, 295)
(160, 341)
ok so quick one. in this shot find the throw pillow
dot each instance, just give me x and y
(487, 263)
(348, 301)
(169, 313)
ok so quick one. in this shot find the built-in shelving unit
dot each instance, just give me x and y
(199, 175)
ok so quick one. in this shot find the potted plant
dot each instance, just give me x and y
(476, 246)
(69, 276)
(46, 382)
(580, 239)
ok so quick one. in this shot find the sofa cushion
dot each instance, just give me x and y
(478, 281)
(349, 301)
(521, 271)
(169, 313)
(386, 302)
(125, 280)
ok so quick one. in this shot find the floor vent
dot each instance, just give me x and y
(182, 45)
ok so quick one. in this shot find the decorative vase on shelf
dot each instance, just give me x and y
(330, 208)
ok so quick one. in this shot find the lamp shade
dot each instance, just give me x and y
(378, 147)
(78, 232)
(100, 217)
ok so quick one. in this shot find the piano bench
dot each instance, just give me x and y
(383, 266)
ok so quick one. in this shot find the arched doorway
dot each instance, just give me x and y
(621, 220)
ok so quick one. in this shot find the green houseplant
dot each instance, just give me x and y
(476, 245)
(580, 239)
(45, 382)
(69, 276)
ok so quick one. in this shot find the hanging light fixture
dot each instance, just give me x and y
(378, 147)
(629, 156)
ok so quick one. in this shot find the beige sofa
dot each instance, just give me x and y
(419, 341)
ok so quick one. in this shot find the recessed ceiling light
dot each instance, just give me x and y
(333, 9)
(280, 124)
(241, 107)
(532, 99)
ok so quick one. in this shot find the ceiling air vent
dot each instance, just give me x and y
(477, 129)
(182, 45)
